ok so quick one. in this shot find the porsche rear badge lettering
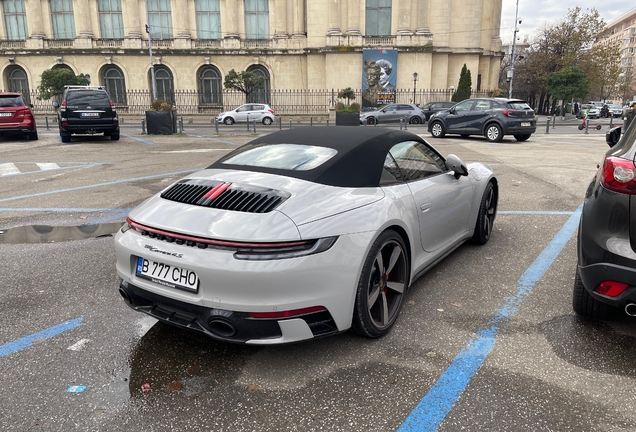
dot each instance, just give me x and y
(159, 251)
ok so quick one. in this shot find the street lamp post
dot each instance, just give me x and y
(511, 73)
(152, 66)
(415, 77)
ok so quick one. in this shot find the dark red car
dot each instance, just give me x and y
(16, 116)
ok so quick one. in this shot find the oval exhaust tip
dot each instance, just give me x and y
(630, 309)
(221, 328)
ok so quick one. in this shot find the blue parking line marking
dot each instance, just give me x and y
(27, 341)
(437, 403)
(139, 139)
(100, 185)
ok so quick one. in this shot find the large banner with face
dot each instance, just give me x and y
(379, 72)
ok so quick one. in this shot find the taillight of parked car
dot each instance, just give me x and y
(619, 175)
(271, 110)
(611, 288)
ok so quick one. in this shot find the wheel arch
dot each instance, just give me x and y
(491, 121)
(407, 243)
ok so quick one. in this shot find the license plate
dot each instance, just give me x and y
(525, 123)
(167, 275)
(9, 114)
(89, 114)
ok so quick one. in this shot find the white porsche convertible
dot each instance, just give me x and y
(302, 233)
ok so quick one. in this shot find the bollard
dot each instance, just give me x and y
(181, 125)
(121, 120)
(400, 124)
(587, 125)
(216, 126)
(611, 118)
(406, 124)
(248, 123)
(190, 121)
(47, 123)
(143, 126)
(290, 123)
(547, 126)
(553, 121)
(280, 123)
(327, 122)
(254, 126)
(311, 121)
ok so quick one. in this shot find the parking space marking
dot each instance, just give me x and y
(139, 139)
(213, 139)
(27, 341)
(437, 403)
(99, 185)
(14, 168)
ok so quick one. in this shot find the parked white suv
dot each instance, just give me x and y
(248, 113)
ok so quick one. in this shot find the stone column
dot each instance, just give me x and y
(82, 16)
(353, 27)
(404, 18)
(232, 19)
(180, 22)
(299, 28)
(34, 19)
(280, 31)
(133, 15)
(334, 18)
(422, 18)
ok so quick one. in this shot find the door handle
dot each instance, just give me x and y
(425, 207)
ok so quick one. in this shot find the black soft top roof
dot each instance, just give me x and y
(358, 163)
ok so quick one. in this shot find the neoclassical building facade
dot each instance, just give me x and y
(293, 44)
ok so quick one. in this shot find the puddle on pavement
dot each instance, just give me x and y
(53, 234)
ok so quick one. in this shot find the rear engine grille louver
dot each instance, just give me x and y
(225, 196)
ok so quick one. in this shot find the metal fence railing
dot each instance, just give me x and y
(284, 102)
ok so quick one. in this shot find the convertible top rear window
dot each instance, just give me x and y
(293, 157)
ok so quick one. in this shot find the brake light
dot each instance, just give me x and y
(287, 314)
(19, 114)
(619, 175)
(271, 110)
(112, 105)
(611, 288)
(506, 113)
(63, 103)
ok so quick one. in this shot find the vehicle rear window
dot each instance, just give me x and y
(519, 105)
(85, 98)
(293, 157)
(11, 101)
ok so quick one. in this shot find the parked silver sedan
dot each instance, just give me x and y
(393, 113)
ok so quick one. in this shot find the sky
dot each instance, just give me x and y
(535, 13)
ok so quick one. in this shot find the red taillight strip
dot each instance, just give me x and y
(216, 191)
(287, 314)
(222, 243)
(619, 175)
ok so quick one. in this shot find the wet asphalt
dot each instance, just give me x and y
(546, 369)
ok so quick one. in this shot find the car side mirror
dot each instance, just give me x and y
(31, 106)
(613, 136)
(455, 164)
(56, 104)
(452, 111)
(383, 110)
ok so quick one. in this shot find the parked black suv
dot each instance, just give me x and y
(490, 117)
(86, 110)
(605, 278)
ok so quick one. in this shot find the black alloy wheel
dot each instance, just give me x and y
(486, 216)
(382, 285)
(415, 120)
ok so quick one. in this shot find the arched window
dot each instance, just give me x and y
(113, 80)
(210, 86)
(164, 81)
(62, 66)
(18, 82)
(261, 95)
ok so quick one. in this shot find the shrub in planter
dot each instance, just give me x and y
(161, 118)
(347, 114)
